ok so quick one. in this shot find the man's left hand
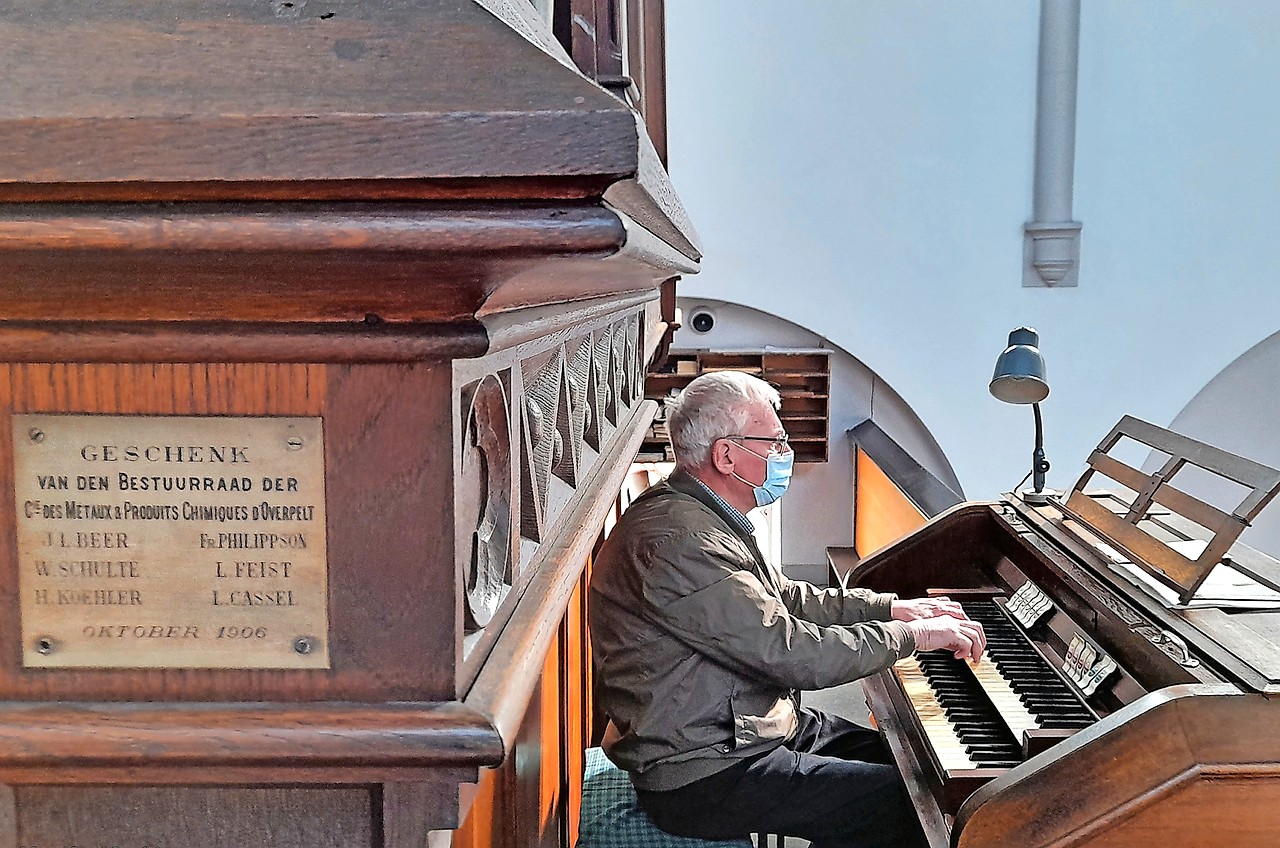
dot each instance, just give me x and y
(918, 608)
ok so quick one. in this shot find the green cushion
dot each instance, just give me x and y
(611, 817)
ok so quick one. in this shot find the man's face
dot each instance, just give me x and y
(749, 452)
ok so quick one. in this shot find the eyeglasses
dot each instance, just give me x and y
(777, 444)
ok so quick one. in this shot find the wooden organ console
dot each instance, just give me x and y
(1128, 694)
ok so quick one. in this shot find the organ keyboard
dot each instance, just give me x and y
(1112, 707)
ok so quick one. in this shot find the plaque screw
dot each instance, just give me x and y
(36, 434)
(294, 443)
(304, 645)
(45, 645)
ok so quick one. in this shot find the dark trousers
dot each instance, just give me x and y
(832, 783)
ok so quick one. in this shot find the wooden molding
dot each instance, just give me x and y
(69, 742)
(231, 341)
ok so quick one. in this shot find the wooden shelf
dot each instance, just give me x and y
(802, 377)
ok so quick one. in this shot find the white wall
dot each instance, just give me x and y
(1239, 411)
(863, 169)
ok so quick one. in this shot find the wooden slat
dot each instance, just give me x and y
(1189, 506)
(1237, 468)
(1223, 528)
(1118, 471)
(576, 683)
(1138, 509)
(299, 228)
(228, 341)
(1201, 513)
(1174, 569)
(483, 825)
(551, 741)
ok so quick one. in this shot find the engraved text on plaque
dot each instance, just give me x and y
(171, 542)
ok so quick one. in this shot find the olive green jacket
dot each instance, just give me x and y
(699, 646)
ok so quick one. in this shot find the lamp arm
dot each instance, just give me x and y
(1039, 465)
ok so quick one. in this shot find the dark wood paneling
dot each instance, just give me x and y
(392, 574)
(194, 818)
(391, 582)
(298, 262)
(120, 90)
(307, 228)
(340, 147)
(954, 553)
(1135, 776)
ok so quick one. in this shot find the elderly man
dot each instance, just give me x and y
(701, 646)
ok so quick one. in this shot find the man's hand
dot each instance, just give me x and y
(926, 608)
(964, 638)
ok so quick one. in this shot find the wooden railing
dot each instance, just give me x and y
(534, 797)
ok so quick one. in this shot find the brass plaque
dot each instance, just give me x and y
(171, 542)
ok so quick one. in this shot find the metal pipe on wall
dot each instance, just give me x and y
(1051, 242)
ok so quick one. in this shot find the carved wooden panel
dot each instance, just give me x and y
(544, 405)
(485, 497)
(572, 426)
(531, 423)
(599, 388)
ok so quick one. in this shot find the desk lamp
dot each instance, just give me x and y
(1020, 378)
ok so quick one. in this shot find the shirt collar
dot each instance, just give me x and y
(734, 515)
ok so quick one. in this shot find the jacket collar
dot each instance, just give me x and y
(687, 484)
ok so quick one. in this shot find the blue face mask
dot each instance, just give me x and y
(776, 479)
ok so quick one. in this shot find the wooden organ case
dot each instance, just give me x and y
(322, 351)
(1128, 695)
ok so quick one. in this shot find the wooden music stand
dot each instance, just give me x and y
(1217, 528)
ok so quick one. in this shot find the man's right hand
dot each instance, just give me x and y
(964, 638)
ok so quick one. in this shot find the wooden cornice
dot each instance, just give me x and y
(373, 90)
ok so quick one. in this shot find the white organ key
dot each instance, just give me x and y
(951, 752)
(1006, 701)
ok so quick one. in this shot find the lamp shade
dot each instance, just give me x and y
(1020, 375)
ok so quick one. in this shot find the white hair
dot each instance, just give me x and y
(711, 407)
